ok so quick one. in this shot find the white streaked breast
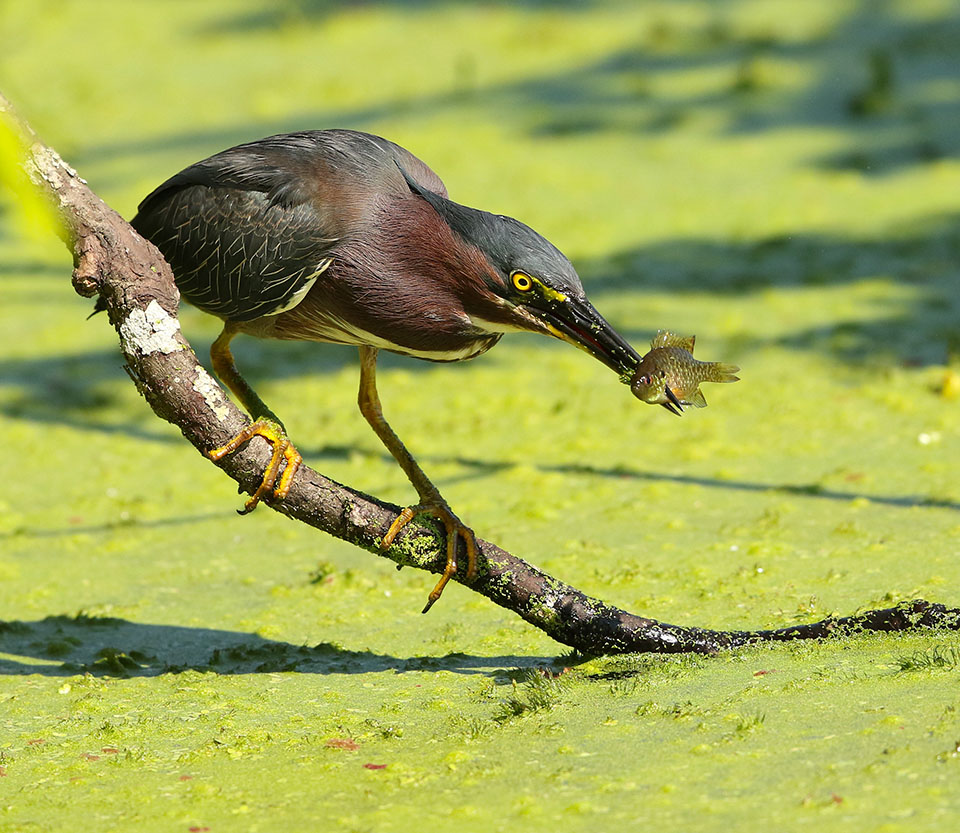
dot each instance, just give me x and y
(337, 331)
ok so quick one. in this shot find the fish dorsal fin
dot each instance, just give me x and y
(697, 399)
(664, 338)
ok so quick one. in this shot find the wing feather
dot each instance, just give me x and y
(248, 230)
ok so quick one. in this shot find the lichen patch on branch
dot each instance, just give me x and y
(212, 394)
(45, 164)
(151, 330)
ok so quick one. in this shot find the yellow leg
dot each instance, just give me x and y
(431, 502)
(265, 425)
(283, 449)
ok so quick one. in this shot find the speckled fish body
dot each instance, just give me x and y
(670, 365)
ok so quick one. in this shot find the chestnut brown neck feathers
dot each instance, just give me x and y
(403, 281)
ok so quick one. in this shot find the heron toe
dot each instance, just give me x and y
(283, 450)
(455, 530)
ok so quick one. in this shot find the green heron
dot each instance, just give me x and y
(340, 236)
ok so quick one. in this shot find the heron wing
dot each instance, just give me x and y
(248, 230)
(233, 252)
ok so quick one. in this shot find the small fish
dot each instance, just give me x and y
(669, 375)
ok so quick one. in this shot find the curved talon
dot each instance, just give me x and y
(455, 530)
(283, 449)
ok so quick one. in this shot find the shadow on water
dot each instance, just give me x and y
(30, 533)
(876, 73)
(88, 391)
(875, 76)
(916, 326)
(75, 390)
(483, 468)
(475, 469)
(63, 646)
(299, 12)
(919, 324)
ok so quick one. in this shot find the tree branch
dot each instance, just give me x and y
(137, 286)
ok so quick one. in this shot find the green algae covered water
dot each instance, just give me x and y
(779, 179)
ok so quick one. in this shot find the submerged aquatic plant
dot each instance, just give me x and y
(939, 656)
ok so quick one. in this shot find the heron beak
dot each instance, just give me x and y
(578, 323)
(674, 405)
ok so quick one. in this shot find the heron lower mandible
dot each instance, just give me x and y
(344, 237)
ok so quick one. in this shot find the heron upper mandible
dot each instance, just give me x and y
(344, 237)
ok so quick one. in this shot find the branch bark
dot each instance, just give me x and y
(129, 273)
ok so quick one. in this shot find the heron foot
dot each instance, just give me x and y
(455, 530)
(283, 450)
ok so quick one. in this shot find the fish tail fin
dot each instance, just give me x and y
(722, 372)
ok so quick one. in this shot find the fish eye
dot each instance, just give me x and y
(644, 380)
(522, 281)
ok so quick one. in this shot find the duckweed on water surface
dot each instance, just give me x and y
(779, 179)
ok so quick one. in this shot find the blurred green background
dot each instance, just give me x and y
(780, 178)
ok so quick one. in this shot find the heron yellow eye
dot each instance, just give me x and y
(522, 282)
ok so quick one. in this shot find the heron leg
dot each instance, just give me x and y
(265, 424)
(431, 502)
